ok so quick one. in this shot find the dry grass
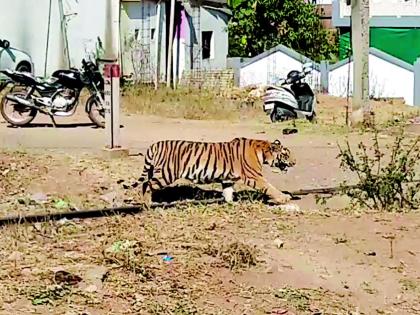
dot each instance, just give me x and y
(238, 105)
(132, 249)
(332, 111)
(188, 103)
(235, 255)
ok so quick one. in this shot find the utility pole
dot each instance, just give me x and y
(171, 43)
(157, 44)
(65, 59)
(361, 110)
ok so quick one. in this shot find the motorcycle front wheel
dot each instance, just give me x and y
(95, 112)
(15, 113)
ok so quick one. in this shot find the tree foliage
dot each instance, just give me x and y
(258, 25)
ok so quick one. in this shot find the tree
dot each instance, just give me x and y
(258, 25)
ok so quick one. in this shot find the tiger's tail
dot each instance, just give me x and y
(147, 169)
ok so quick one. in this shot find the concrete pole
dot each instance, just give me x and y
(416, 96)
(112, 78)
(64, 43)
(112, 30)
(171, 42)
(361, 110)
(324, 68)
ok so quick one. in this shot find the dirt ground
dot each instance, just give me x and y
(246, 258)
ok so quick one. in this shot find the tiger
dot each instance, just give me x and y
(239, 160)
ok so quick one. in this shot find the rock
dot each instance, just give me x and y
(39, 197)
(63, 221)
(95, 276)
(15, 256)
(91, 288)
(290, 207)
(26, 272)
(38, 226)
(109, 197)
(279, 243)
(5, 172)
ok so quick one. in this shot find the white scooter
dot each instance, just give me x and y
(291, 98)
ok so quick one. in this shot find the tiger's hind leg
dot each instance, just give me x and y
(157, 182)
(276, 196)
(228, 191)
(147, 193)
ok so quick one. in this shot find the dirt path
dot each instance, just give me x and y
(319, 168)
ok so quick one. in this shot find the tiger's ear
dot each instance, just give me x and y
(276, 141)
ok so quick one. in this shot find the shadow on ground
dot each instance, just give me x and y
(58, 126)
(50, 125)
(185, 192)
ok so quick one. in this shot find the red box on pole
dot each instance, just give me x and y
(112, 71)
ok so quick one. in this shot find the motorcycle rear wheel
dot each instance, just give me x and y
(96, 115)
(25, 114)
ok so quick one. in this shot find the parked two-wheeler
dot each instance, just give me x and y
(57, 96)
(291, 98)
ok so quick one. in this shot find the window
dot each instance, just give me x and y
(152, 34)
(207, 44)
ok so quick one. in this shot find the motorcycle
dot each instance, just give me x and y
(57, 96)
(291, 98)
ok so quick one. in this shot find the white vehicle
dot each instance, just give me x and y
(13, 59)
(291, 98)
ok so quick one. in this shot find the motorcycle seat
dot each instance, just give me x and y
(30, 77)
(47, 83)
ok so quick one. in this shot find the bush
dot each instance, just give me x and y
(386, 182)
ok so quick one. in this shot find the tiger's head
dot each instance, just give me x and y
(279, 156)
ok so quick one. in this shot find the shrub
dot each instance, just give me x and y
(386, 181)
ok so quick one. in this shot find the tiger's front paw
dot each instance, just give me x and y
(281, 200)
(228, 194)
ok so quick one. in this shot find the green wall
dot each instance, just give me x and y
(402, 43)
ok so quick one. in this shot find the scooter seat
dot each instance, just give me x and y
(274, 87)
(279, 88)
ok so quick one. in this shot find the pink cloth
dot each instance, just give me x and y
(183, 26)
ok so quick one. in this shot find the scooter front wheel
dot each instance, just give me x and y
(282, 114)
(312, 118)
(17, 114)
(273, 116)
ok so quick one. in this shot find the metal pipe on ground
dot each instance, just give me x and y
(95, 213)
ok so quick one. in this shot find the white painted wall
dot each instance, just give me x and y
(24, 23)
(386, 8)
(135, 16)
(386, 80)
(322, 1)
(275, 65)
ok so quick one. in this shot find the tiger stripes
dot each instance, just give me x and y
(221, 162)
